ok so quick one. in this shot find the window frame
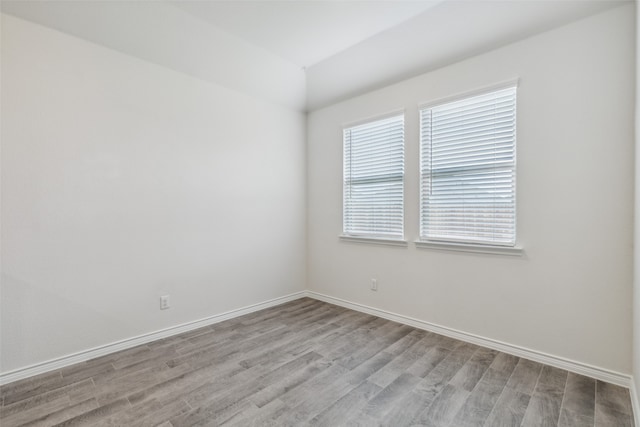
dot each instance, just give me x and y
(374, 238)
(458, 244)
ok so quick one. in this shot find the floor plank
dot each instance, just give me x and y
(544, 406)
(509, 410)
(487, 392)
(578, 406)
(613, 406)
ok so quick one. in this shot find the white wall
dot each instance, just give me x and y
(123, 181)
(570, 294)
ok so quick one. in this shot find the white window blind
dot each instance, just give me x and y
(468, 166)
(373, 195)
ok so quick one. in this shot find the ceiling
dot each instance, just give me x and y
(304, 54)
(305, 32)
(449, 32)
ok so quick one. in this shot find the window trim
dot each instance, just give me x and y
(470, 248)
(373, 240)
(505, 84)
(462, 246)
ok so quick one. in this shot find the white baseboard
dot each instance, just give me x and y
(61, 362)
(635, 403)
(537, 356)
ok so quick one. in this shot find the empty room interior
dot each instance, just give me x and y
(310, 212)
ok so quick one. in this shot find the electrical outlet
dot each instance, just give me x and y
(374, 284)
(164, 302)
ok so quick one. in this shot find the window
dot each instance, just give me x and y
(468, 167)
(373, 194)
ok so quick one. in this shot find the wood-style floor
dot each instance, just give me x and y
(311, 363)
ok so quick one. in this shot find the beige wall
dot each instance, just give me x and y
(570, 294)
(123, 181)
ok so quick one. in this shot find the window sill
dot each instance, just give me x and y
(465, 247)
(373, 240)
